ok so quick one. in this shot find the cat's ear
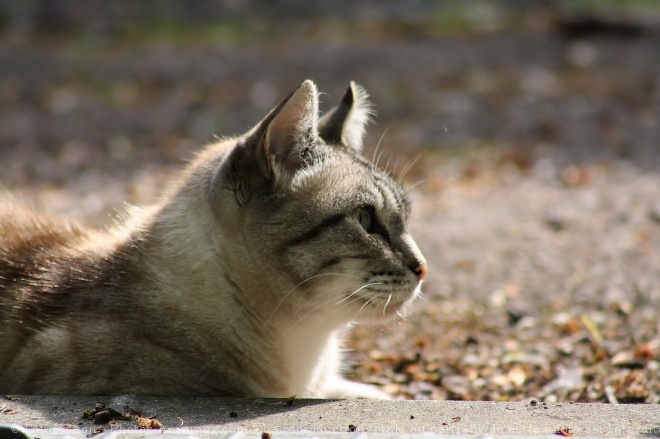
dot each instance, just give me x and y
(345, 124)
(289, 131)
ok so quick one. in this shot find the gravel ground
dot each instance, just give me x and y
(534, 159)
(537, 289)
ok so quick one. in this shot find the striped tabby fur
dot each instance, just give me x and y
(239, 282)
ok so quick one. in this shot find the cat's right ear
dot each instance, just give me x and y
(284, 138)
(345, 124)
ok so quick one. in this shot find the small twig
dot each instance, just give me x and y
(610, 395)
(592, 328)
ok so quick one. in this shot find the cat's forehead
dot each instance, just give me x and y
(356, 181)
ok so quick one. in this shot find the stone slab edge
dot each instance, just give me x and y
(61, 416)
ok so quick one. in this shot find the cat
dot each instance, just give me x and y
(239, 282)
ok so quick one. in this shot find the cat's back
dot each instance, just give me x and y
(30, 239)
(27, 232)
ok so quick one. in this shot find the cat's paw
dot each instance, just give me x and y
(340, 388)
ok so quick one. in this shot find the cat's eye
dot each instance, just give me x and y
(366, 217)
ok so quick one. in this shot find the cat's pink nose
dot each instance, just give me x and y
(420, 270)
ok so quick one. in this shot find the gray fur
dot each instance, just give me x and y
(238, 282)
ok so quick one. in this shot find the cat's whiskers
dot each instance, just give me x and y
(363, 306)
(406, 311)
(375, 161)
(411, 163)
(310, 313)
(387, 165)
(299, 285)
(358, 290)
(414, 185)
(396, 165)
(380, 156)
(422, 296)
(346, 304)
(389, 297)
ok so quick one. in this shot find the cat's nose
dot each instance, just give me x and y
(414, 259)
(419, 270)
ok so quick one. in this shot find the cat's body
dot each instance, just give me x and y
(239, 282)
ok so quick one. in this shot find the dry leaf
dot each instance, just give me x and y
(564, 431)
(148, 423)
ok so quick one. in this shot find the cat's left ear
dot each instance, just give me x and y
(345, 124)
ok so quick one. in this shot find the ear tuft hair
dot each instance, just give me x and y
(346, 123)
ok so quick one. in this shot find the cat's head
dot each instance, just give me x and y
(312, 226)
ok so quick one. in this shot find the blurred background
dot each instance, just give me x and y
(528, 129)
(115, 84)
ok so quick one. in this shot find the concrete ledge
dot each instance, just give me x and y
(49, 416)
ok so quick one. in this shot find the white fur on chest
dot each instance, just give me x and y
(310, 355)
